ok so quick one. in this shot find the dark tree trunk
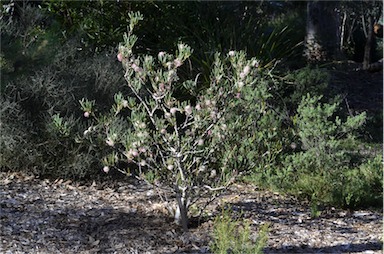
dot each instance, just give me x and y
(368, 45)
(323, 36)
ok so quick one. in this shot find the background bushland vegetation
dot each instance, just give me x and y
(290, 130)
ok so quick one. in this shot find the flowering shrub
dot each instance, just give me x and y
(181, 143)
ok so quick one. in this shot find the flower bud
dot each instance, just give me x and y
(246, 70)
(213, 115)
(110, 142)
(106, 169)
(231, 53)
(202, 168)
(134, 153)
(86, 114)
(173, 110)
(255, 63)
(161, 54)
(177, 62)
(136, 68)
(161, 87)
(213, 174)
(120, 57)
(188, 109)
(170, 167)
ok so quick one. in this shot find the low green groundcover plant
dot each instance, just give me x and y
(234, 236)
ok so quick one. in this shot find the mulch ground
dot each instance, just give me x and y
(47, 216)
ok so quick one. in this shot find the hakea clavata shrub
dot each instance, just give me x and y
(177, 142)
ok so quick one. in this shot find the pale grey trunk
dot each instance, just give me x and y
(323, 36)
(181, 213)
(342, 35)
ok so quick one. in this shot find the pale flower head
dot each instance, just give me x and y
(167, 115)
(177, 62)
(173, 110)
(86, 114)
(125, 103)
(106, 169)
(231, 53)
(161, 54)
(202, 168)
(213, 114)
(134, 152)
(255, 63)
(170, 167)
(140, 134)
(161, 87)
(188, 109)
(246, 70)
(136, 68)
(120, 57)
(171, 75)
(110, 142)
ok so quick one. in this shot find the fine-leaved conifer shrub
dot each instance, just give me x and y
(328, 148)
